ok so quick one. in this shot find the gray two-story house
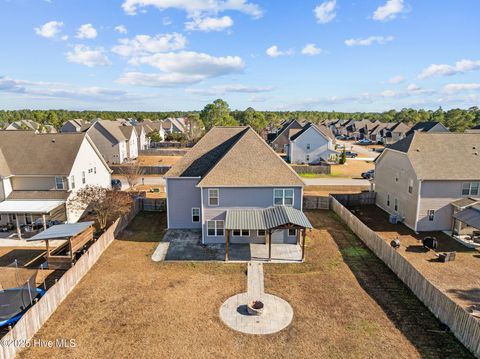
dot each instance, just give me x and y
(312, 145)
(235, 188)
(426, 177)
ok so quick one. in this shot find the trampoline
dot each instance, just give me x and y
(18, 293)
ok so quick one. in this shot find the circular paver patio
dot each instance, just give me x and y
(277, 314)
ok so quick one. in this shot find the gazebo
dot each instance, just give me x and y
(269, 220)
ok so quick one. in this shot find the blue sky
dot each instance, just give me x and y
(159, 55)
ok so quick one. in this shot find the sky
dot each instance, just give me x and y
(279, 55)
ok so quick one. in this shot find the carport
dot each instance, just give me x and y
(41, 208)
(469, 216)
(268, 219)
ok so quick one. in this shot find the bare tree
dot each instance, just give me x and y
(106, 204)
(132, 171)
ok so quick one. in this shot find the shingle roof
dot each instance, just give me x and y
(464, 202)
(442, 155)
(234, 156)
(27, 153)
(113, 128)
(27, 195)
(322, 128)
(127, 131)
(423, 126)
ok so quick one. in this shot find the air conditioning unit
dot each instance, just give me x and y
(393, 219)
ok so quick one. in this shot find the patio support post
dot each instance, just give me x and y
(227, 239)
(44, 220)
(17, 222)
(304, 235)
(269, 244)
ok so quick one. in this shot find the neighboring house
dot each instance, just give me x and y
(76, 125)
(29, 125)
(231, 171)
(37, 179)
(475, 129)
(131, 140)
(312, 145)
(281, 140)
(428, 126)
(421, 177)
(110, 141)
(395, 133)
(151, 126)
(142, 139)
(175, 125)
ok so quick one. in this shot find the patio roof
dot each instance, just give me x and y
(264, 219)
(62, 231)
(469, 216)
(34, 207)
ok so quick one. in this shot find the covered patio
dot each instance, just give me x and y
(269, 220)
(466, 226)
(19, 213)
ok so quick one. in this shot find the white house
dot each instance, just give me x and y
(37, 180)
(312, 145)
(110, 141)
(131, 139)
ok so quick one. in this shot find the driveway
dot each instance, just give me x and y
(363, 151)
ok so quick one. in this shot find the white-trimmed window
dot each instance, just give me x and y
(470, 189)
(308, 146)
(215, 228)
(283, 196)
(245, 233)
(213, 197)
(292, 232)
(59, 183)
(195, 215)
(410, 186)
(307, 158)
(261, 233)
(84, 179)
(72, 182)
(431, 214)
(237, 232)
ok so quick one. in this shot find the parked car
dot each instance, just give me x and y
(365, 141)
(116, 184)
(351, 154)
(369, 174)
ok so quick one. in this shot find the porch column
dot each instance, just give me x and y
(19, 231)
(44, 220)
(227, 239)
(269, 244)
(304, 235)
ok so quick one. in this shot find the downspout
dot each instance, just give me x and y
(201, 214)
(418, 204)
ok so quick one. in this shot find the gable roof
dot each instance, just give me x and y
(285, 126)
(324, 130)
(424, 126)
(113, 128)
(27, 153)
(442, 155)
(127, 131)
(235, 157)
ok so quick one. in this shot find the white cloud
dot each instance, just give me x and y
(325, 12)
(229, 88)
(87, 56)
(396, 79)
(448, 70)
(121, 29)
(209, 23)
(195, 7)
(274, 51)
(49, 29)
(145, 44)
(86, 31)
(389, 11)
(460, 87)
(311, 50)
(369, 41)
(413, 88)
(180, 68)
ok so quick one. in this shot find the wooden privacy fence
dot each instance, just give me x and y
(144, 170)
(356, 199)
(163, 152)
(38, 314)
(465, 327)
(317, 169)
(316, 202)
(153, 204)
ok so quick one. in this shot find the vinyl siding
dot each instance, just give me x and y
(319, 146)
(182, 196)
(112, 152)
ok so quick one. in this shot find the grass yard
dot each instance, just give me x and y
(158, 160)
(351, 169)
(346, 304)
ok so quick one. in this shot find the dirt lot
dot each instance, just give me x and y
(346, 304)
(326, 190)
(148, 189)
(158, 160)
(459, 279)
(351, 169)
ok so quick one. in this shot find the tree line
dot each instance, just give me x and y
(218, 113)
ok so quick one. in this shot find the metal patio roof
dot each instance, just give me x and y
(33, 206)
(469, 216)
(61, 231)
(265, 218)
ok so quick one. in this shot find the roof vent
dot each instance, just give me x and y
(53, 140)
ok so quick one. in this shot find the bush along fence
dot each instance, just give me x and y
(38, 314)
(316, 169)
(465, 327)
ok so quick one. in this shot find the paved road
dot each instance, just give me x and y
(335, 182)
(361, 150)
(155, 180)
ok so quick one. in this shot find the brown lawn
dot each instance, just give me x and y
(346, 304)
(149, 190)
(459, 279)
(158, 160)
(352, 168)
(326, 190)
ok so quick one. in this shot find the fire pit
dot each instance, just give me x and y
(255, 307)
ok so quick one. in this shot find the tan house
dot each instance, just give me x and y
(37, 179)
(421, 178)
